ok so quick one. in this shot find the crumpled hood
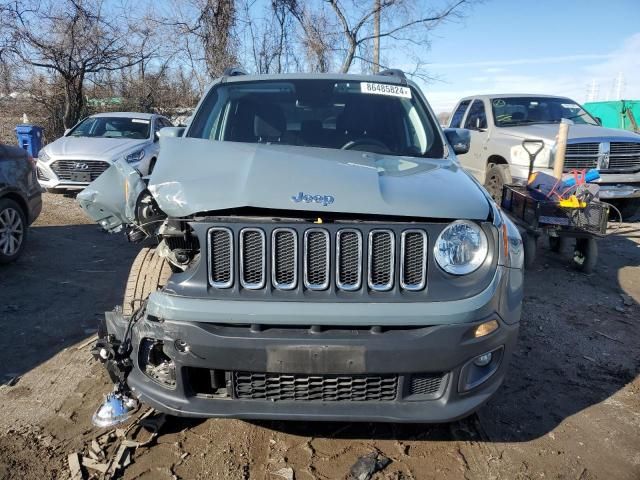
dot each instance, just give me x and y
(93, 148)
(548, 131)
(194, 175)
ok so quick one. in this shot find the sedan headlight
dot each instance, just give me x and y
(461, 248)
(43, 157)
(135, 156)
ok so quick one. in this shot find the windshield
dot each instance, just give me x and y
(372, 117)
(512, 111)
(112, 127)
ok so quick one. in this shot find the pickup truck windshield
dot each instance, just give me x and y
(348, 115)
(112, 127)
(512, 111)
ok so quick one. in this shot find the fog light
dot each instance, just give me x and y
(486, 328)
(483, 360)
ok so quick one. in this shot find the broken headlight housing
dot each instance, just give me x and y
(461, 248)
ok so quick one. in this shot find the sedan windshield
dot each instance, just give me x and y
(112, 127)
(373, 117)
(511, 111)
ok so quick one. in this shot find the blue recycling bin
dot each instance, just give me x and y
(30, 138)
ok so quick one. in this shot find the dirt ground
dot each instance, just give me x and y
(570, 408)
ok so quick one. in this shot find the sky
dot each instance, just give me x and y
(551, 47)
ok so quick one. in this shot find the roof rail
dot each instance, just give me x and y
(233, 72)
(393, 72)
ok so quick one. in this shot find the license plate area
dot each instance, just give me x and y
(80, 177)
(316, 359)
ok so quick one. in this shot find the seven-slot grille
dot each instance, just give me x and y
(344, 257)
(322, 388)
(605, 156)
(64, 168)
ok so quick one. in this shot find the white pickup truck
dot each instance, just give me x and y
(499, 123)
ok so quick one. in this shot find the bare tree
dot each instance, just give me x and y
(73, 39)
(405, 22)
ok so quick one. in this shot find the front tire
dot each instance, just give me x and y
(149, 273)
(498, 176)
(13, 230)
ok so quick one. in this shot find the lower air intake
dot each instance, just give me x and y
(319, 388)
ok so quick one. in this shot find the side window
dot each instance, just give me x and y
(477, 118)
(456, 118)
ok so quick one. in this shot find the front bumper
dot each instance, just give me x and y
(441, 345)
(612, 186)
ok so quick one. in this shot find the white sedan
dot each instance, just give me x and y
(88, 149)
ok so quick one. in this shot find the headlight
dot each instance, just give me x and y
(42, 156)
(461, 248)
(135, 156)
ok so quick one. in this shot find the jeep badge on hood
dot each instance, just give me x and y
(307, 198)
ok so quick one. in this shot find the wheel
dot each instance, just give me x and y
(529, 243)
(497, 177)
(149, 273)
(585, 254)
(629, 207)
(556, 244)
(13, 230)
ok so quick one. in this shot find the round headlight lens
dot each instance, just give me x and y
(461, 248)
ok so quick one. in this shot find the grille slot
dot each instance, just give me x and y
(316, 259)
(284, 258)
(425, 384)
(349, 259)
(64, 168)
(252, 258)
(320, 388)
(220, 257)
(413, 262)
(381, 260)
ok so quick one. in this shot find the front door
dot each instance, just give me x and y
(476, 121)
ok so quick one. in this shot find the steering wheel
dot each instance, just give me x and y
(379, 147)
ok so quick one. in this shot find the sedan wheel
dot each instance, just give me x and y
(12, 230)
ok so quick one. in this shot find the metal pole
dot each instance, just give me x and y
(561, 148)
(376, 36)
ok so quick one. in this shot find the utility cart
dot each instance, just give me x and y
(585, 222)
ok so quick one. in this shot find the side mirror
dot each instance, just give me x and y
(156, 137)
(478, 125)
(599, 120)
(66, 132)
(170, 132)
(459, 139)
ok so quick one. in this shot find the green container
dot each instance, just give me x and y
(624, 114)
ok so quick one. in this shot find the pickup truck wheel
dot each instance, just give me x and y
(530, 245)
(498, 176)
(13, 230)
(149, 273)
(628, 207)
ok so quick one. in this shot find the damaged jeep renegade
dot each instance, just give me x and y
(319, 254)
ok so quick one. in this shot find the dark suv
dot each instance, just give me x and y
(20, 200)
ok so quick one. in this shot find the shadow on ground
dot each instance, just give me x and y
(54, 295)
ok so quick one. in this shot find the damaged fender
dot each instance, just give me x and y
(111, 199)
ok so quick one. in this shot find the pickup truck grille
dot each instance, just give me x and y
(64, 168)
(317, 258)
(610, 157)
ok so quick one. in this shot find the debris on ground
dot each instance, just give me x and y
(110, 453)
(367, 465)
(286, 473)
